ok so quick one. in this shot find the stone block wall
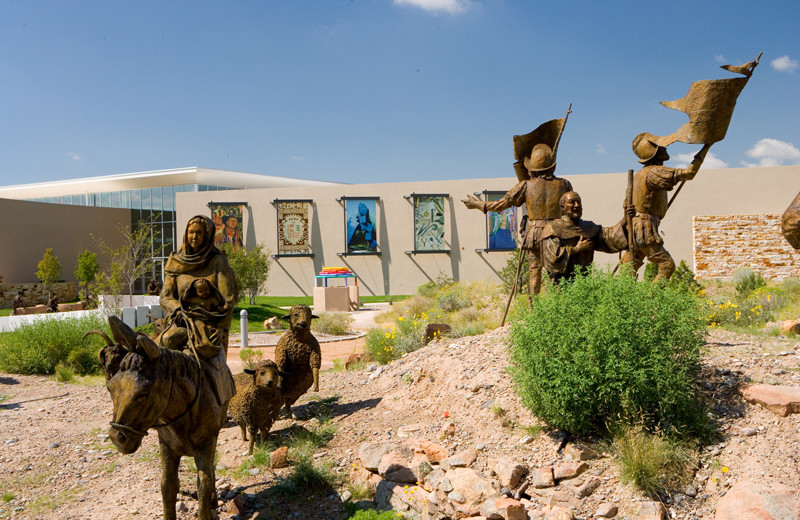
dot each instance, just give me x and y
(725, 243)
(36, 293)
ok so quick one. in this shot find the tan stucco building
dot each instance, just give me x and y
(182, 193)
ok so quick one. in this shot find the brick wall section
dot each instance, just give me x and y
(36, 293)
(725, 243)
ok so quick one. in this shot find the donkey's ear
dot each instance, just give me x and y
(148, 348)
(249, 371)
(314, 316)
(286, 317)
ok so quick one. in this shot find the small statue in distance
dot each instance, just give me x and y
(17, 303)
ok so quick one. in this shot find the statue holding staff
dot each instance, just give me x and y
(538, 189)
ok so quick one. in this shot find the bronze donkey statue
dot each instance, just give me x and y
(153, 387)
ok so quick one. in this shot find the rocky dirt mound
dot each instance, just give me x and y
(439, 433)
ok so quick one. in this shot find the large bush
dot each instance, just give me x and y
(604, 350)
(36, 348)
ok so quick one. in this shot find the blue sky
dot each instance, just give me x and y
(378, 90)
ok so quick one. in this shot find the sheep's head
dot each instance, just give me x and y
(265, 375)
(299, 318)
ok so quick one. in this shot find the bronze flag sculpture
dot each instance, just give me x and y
(538, 189)
(709, 105)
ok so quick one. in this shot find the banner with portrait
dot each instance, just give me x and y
(361, 230)
(229, 224)
(429, 223)
(293, 227)
(501, 227)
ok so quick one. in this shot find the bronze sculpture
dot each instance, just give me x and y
(538, 189)
(17, 303)
(170, 391)
(570, 242)
(198, 258)
(709, 105)
(155, 384)
(790, 223)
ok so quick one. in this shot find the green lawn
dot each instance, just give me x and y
(268, 306)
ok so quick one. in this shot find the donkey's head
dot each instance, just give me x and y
(139, 391)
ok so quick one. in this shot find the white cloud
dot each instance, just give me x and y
(772, 152)
(601, 149)
(720, 58)
(784, 64)
(73, 156)
(711, 161)
(450, 6)
(298, 158)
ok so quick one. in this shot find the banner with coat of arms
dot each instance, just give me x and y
(293, 234)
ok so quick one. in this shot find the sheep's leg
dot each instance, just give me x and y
(243, 426)
(253, 435)
(169, 480)
(205, 481)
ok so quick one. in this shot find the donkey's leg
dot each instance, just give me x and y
(205, 481)
(169, 480)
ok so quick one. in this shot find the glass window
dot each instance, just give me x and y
(169, 238)
(124, 199)
(155, 200)
(167, 198)
(114, 199)
(136, 199)
(202, 187)
(146, 198)
(105, 199)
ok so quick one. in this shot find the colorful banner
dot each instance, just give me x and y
(428, 223)
(361, 231)
(293, 235)
(502, 226)
(229, 225)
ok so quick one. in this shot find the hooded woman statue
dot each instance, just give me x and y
(199, 319)
(199, 297)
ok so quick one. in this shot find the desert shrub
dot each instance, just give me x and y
(417, 305)
(653, 462)
(333, 323)
(608, 348)
(431, 288)
(38, 347)
(508, 272)
(748, 283)
(372, 514)
(390, 342)
(650, 272)
(750, 309)
(250, 357)
(453, 298)
(64, 373)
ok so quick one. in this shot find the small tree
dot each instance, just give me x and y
(49, 269)
(86, 272)
(251, 269)
(130, 261)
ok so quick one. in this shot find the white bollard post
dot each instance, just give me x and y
(243, 327)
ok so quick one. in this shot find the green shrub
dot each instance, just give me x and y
(431, 288)
(606, 349)
(333, 323)
(652, 462)
(36, 348)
